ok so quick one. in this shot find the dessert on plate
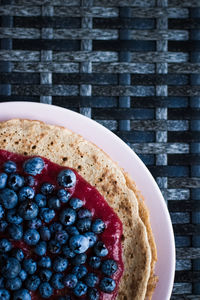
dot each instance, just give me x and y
(72, 223)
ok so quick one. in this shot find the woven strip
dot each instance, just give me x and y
(132, 65)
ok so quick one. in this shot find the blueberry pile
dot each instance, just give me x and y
(63, 240)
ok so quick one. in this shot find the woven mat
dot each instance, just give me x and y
(132, 65)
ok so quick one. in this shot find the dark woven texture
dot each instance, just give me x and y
(132, 65)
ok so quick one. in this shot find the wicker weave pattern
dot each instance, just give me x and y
(133, 66)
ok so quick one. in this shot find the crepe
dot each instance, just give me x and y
(66, 148)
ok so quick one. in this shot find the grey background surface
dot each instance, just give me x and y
(133, 66)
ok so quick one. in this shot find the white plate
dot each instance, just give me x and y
(127, 159)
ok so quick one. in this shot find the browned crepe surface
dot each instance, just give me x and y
(69, 149)
(144, 215)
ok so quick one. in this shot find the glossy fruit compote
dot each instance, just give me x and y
(59, 239)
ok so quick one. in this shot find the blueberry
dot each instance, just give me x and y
(109, 267)
(35, 223)
(3, 226)
(67, 297)
(3, 180)
(15, 231)
(40, 200)
(41, 248)
(45, 233)
(21, 294)
(2, 211)
(55, 227)
(91, 279)
(107, 285)
(9, 167)
(76, 203)
(13, 216)
(8, 198)
(100, 249)
(23, 275)
(54, 247)
(79, 271)
(54, 203)
(2, 282)
(91, 237)
(67, 216)
(32, 283)
(70, 281)
(30, 266)
(95, 262)
(14, 284)
(72, 230)
(45, 274)
(34, 166)
(60, 264)
(84, 213)
(15, 182)
(93, 294)
(5, 245)
(79, 259)
(63, 195)
(45, 262)
(47, 188)
(57, 281)
(45, 290)
(61, 237)
(26, 193)
(28, 210)
(18, 254)
(30, 180)
(47, 214)
(79, 243)
(66, 178)
(68, 252)
(98, 226)
(4, 294)
(10, 268)
(84, 224)
(80, 289)
(31, 237)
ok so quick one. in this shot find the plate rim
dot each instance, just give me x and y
(131, 152)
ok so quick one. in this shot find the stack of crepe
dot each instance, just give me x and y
(67, 148)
